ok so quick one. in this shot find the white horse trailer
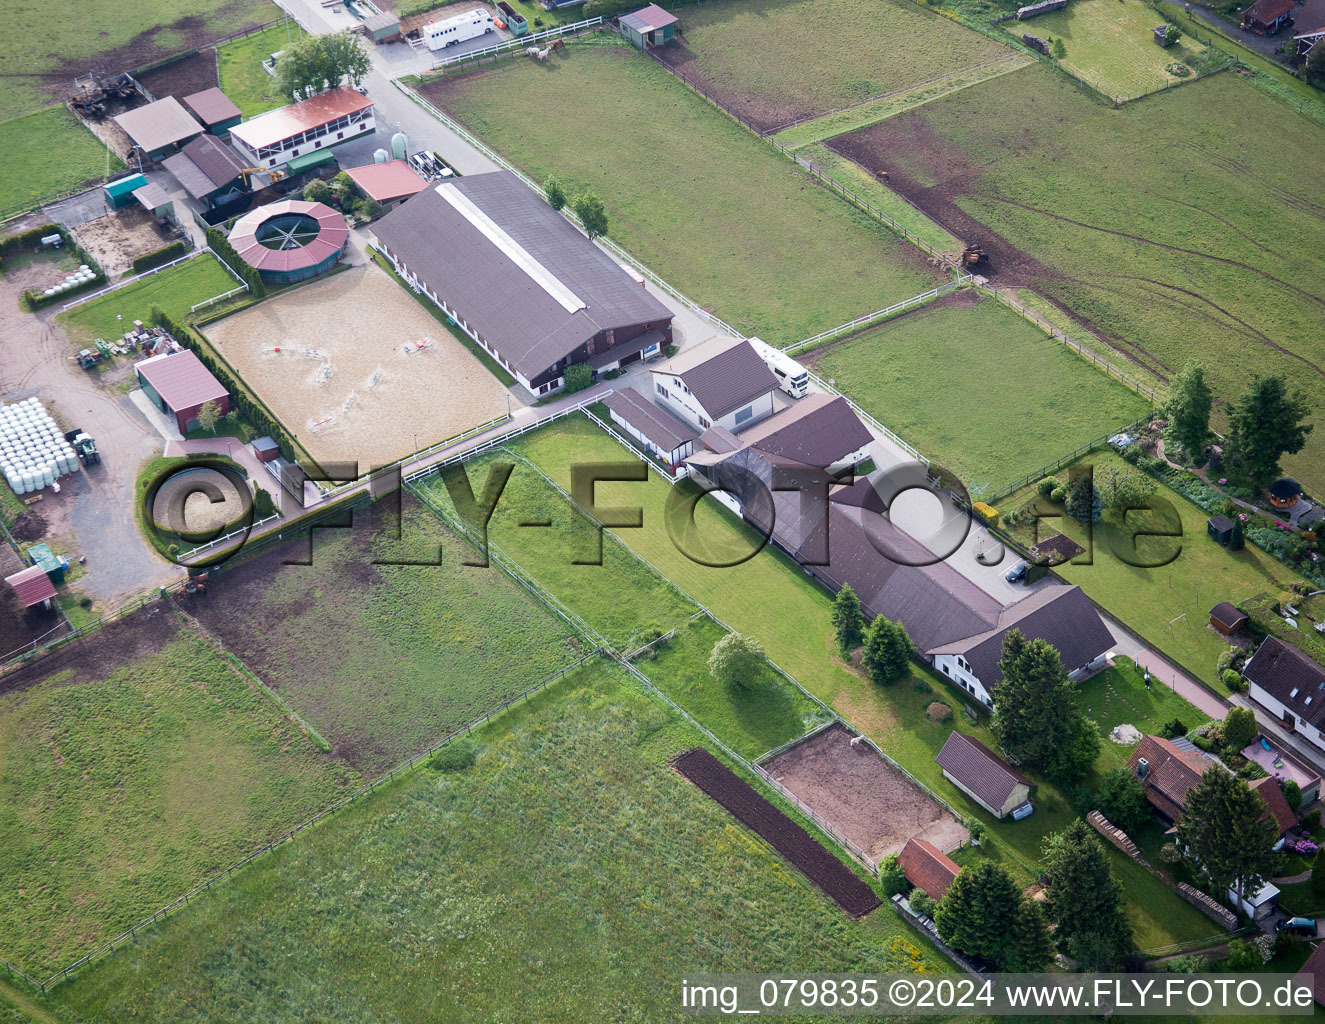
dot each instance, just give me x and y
(458, 28)
(793, 378)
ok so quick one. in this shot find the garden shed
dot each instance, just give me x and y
(119, 194)
(1284, 493)
(214, 110)
(1219, 528)
(648, 27)
(1226, 618)
(32, 587)
(383, 27)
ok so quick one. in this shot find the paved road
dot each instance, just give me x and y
(1261, 44)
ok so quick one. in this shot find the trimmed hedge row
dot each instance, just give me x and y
(152, 260)
(225, 252)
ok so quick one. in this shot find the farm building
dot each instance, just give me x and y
(1266, 17)
(304, 130)
(290, 240)
(119, 194)
(1290, 686)
(179, 385)
(158, 129)
(928, 868)
(657, 430)
(1306, 40)
(819, 430)
(383, 27)
(52, 565)
(32, 587)
(648, 27)
(389, 183)
(722, 382)
(1226, 618)
(521, 281)
(214, 110)
(265, 449)
(209, 170)
(983, 776)
(156, 201)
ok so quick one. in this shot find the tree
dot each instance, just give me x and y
(317, 191)
(589, 208)
(1237, 539)
(922, 902)
(1083, 898)
(737, 660)
(1228, 834)
(887, 651)
(1266, 424)
(848, 621)
(1313, 68)
(1034, 704)
(1059, 49)
(1123, 801)
(977, 913)
(1076, 753)
(1171, 35)
(577, 377)
(314, 63)
(1293, 794)
(208, 416)
(1318, 873)
(556, 193)
(1173, 728)
(1030, 946)
(1085, 504)
(370, 209)
(1123, 489)
(1239, 728)
(892, 876)
(347, 58)
(263, 505)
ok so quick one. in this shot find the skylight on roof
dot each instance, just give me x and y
(1293, 694)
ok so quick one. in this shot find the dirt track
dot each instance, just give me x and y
(193, 74)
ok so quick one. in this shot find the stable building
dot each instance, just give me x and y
(983, 776)
(656, 430)
(209, 170)
(305, 131)
(521, 280)
(214, 110)
(648, 27)
(179, 386)
(720, 383)
(928, 868)
(32, 587)
(389, 183)
(158, 129)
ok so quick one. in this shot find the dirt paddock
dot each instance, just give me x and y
(863, 797)
(118, 238)
(356, 321)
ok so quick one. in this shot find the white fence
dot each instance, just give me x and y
(881, 314)
(128, 281)
(218, 298)
(519, 42)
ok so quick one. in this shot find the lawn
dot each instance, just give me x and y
(175, 290)
(380, 648)
(770, 598)
(1168, 606)
(1119, 697)
(569, 874)
(1111, 45)
(691, 193)
(753, 720)
(136, 763)
(45, 48)
(845, 52)
(1179, 227)
(1037, 400)
(622, 598)
(47, 153)
(239, 66)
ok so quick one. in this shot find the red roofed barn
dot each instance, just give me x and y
(1266, 17)
(32, 586)
(179, 385)
(305, 128)
(927, 867)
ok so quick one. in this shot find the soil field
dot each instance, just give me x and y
(118, 238)
(1168, 226)
(184, 77)
(862, 796)
(384, 645)
(805, 853)
(359, 320)
(773, 62)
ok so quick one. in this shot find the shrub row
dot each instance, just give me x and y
(225, 252)
(152, 260)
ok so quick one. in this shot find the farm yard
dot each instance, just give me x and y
(1037, 399)
(354, 323)
(137, 762)
(384, 644)
(116, 239)
(569, 841)
(1142, 222)
(692, 194)
(46, 153)
(778, 61)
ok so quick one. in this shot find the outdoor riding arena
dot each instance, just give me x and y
(357, 369)
(861, 796)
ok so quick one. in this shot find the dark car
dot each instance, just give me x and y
(1017, 573)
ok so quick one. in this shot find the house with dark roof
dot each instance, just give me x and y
(1062, 616)
(1266, 17)
(1290, 686)
(214, 110)
(1306, 40)
(985, 777)
(521, 280)
(722, 382)
(928, 868)
(1313, 973)
(656, 430)
(210, 171)
(818, 430)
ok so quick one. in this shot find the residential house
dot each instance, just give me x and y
(722, 382)
(1266, 17)
(1290, 686)
(927, 867)
(1306, 40)
(1313, 971)
(983, 776)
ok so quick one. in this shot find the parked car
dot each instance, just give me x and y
(1017, 573)
(1297, 925)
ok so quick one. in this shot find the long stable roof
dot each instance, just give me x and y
(181, 380)
(280, 124)
(32, 586)
(212, 106)
(723, 374)
(654, 422)
(531, 285)
(817, 430)
(158, 124)
(388, 181)
(331, 236)
(205, 165)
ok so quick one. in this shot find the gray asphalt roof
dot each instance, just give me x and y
(158, 124)
(500, 298)
(204, 165)
(979, 769)
(654, 422)
(723, 374)
(817, 430)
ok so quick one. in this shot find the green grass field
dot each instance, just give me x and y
(1110, 45)
(175, 290)
(743, 53)
(569, 874)
(1035, 399)
(47, 153)
(135, 765)
(770, 598)
(239, 66)
(1170, 226)
(691, 193)
(1168, 606)
(380, 655)
(43, 47)
(1119, 697)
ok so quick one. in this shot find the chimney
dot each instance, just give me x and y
(1142, 768)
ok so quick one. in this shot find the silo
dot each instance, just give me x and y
(399, 146)
(381, 156)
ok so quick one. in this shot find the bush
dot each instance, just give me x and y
(922, 686)
(892, 879)
(1311, 820)
(317, 191)
(456, 756)
(165, 254)
(1170, 854)
(1192, 963)
(1233, 680)
(1225, 662)
(1047, 486)
(578, 377)
(1173, 728)
(263, 505)
(1058, 495)
(922, 903)
(1242, 956)
(1293, 794)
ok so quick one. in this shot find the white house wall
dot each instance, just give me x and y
(1303, 729)
(672, 394)
(948, 666)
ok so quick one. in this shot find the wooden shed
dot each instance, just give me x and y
(648, 27)
(1219, 528)
(1226, 618)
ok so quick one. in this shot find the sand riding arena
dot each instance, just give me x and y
(357, 369)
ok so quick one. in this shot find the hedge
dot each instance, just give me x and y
(32, 239)
(152, 260)
(225, 252)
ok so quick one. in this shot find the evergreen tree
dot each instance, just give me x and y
(1085, 504)
(1085, 902)
(1036, 717)
(887, 651)
(979, 911)
(1266, 424)
(1123, 800)
(1237, 539)
(1239, 728)
(1228, 834)
(848, 621)
(1188, 410)
(1030, 946)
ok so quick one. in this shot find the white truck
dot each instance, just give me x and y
(793, 378)
(458, 28)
